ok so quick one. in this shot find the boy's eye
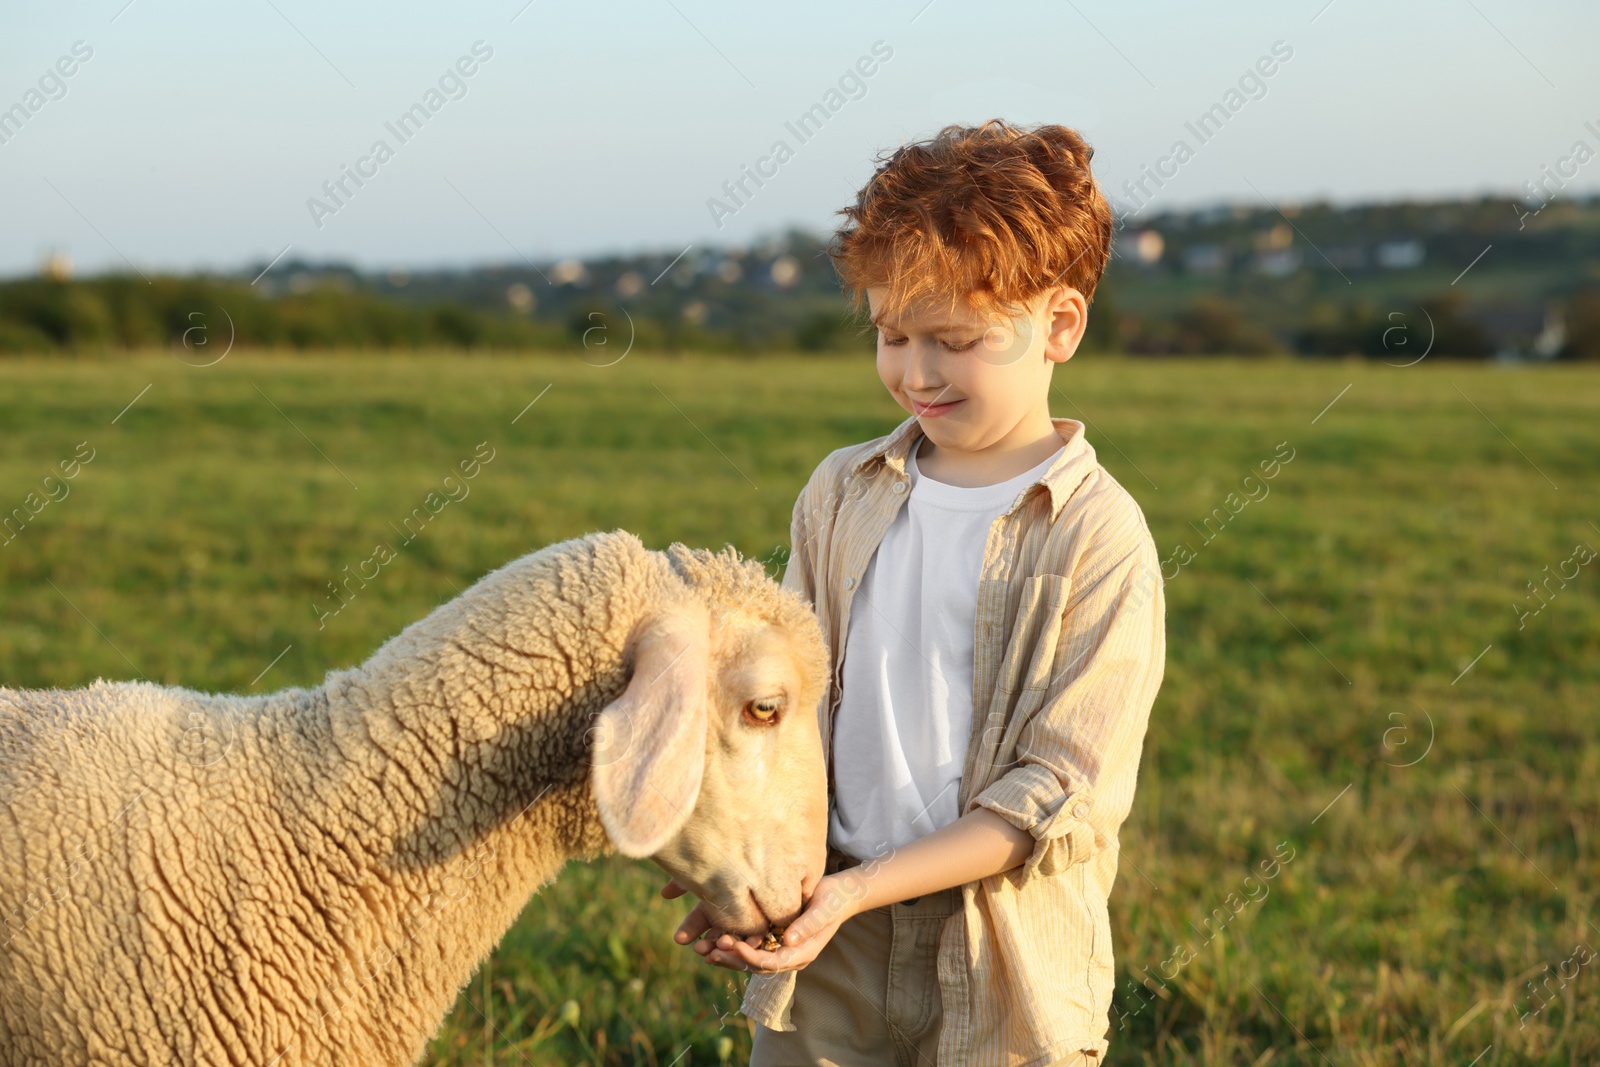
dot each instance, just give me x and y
(952, 346)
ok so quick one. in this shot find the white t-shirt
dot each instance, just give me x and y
(905, 710)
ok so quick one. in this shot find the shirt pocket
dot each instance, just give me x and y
(1023, 676)
(1027, 666)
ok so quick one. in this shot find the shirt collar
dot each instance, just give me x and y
(1061, 479)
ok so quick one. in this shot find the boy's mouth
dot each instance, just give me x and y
(932, 409)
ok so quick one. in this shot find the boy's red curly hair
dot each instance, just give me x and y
(995, 214)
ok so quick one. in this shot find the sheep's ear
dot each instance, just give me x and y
(650, 743)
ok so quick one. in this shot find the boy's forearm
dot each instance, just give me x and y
(978, 844)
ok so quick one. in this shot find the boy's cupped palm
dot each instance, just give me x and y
(835, 899)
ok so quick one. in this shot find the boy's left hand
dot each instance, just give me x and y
(835, 899)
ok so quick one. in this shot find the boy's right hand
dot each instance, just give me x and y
(698, 923)
(836, 899)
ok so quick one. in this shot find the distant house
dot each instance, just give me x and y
(1523, 332)
(1348, 256)
(1400, 255)
(1205, 259)
(1278, 263)
(1147, 246)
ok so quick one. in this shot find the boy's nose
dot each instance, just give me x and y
(924, 394)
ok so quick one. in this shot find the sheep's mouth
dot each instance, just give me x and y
(772, 939)
(750, 920)
(764, 921)
(770, 932)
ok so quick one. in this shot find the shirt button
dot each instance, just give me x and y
(899, 487)
(1080, 810)
(849, 583)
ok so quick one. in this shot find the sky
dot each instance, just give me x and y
(195, 136)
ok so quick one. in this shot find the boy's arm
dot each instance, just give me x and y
(978, 844)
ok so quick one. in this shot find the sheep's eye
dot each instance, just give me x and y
(763, 712)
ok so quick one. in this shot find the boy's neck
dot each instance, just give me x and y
(1024, 448)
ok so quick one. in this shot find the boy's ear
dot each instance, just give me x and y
(1066, 313)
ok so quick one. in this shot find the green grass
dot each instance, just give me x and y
(1323, 626)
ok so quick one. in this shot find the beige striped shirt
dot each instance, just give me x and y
(1069, 652)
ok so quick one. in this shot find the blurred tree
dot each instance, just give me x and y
(455, 324)
(1103, 334)
(1455, 336)
(1215, 325)
(1583, 326)
(820, 331)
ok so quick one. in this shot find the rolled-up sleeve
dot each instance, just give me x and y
(1077, 756)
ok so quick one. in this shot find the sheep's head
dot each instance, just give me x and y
(711, 761)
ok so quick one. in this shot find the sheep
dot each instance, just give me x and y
(311, 876)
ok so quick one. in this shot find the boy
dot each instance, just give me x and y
(997, 641)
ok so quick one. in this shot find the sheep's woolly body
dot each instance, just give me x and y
(311, 876)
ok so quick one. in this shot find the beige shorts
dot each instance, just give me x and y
(872, 994)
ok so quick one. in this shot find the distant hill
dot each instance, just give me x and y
(1494, 277)
(1485, 278)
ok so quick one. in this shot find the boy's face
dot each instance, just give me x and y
(973, 383)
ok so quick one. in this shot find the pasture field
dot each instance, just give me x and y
(1365, 690)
